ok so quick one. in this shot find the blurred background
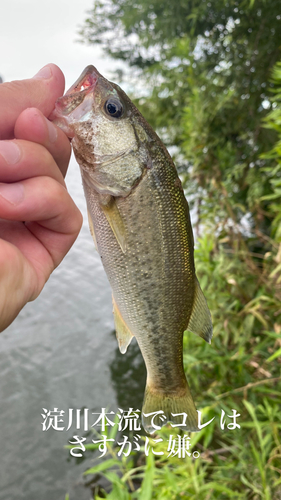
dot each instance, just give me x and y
(207, 76)
(33, 35)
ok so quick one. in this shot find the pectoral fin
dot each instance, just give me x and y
(115, 221)
(200, 321)
(92, 231)
(123, 334)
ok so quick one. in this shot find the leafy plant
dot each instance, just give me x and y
(211, 94)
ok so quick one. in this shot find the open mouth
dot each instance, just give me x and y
(85, 83)
(76, 102)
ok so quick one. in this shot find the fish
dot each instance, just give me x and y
(140, 223)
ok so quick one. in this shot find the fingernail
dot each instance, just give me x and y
(14, 193)
(10, 151)
(44, 73)
(53, 134)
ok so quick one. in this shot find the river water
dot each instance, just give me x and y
(61, 353)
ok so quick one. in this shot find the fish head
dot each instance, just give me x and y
(76, 104)
(108, 134)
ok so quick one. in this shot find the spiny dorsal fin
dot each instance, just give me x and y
(123, 334)
(200, 321)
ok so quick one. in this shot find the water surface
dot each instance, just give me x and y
(61, 353)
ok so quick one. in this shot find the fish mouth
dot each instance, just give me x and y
(76, 103)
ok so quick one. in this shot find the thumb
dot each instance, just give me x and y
(40, 92)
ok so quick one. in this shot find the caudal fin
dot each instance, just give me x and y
(170, 405)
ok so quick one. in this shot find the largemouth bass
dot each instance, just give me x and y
(140, 223)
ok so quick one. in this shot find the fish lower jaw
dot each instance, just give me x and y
(62, 123)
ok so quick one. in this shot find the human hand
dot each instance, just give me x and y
(39, 221)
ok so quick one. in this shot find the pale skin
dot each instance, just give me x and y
(34, 156)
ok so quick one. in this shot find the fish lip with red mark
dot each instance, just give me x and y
(73, 105)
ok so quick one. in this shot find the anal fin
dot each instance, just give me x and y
(123, 334)
(200, 321)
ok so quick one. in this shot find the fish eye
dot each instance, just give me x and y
(113, 108)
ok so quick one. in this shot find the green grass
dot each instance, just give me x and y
(240, 370)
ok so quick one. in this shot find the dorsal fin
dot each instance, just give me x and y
(200, 321)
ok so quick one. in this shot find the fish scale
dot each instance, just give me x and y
(140, 222)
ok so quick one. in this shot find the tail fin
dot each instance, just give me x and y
(169, 404)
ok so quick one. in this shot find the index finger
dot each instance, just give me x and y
(32, 126)
(40, 92)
